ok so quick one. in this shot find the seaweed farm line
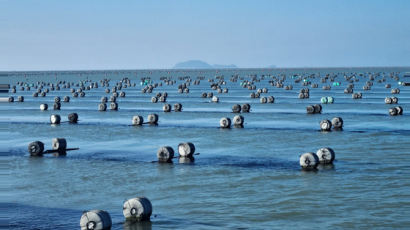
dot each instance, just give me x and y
(250, 130)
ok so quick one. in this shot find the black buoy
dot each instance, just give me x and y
(236, 108)
(246, 108)
(36, 148)
(177, 107)
(73, 118)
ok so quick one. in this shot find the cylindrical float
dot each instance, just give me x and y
(102, 107)
(318, 108)
(55, 119)
(246, 108)
(330, 100)
(95, 220)
(394, 100)
(393, 111)
(337, 123)
(325, 155)
(43, 107)
(186, 149)
(399, 110)
(236, 108)
(36, 148)
(137, 209)
(72, 118)
(309, 161)
(177, 107)
(225, 122)
(165, 154)
(325, 125)
(57, 106)
(152, 119)
(59, 144)
(113, 106)
(310, 109)
(137, 120)
(166, 108)
(238, 121)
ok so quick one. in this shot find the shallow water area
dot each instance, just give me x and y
(243, 178)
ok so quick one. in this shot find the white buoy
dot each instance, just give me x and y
(95, 220)
(137, 209)
(153, 119)
(325, 125)
(137, 120)
(165, 154)
(43, 107)
(309, 161)
(337, 123)
(186, 149)
(59, 144)
(166, 108)
(225, 122)
(238, 121)
(325, 155)
(55, 119)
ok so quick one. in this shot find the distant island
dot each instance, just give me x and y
(197, 64)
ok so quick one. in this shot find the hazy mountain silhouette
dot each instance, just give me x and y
(198, 64)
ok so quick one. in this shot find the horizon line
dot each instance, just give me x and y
(200, 69)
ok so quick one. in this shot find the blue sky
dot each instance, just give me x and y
(85, 34)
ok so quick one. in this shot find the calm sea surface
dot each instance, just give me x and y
(246, 178)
